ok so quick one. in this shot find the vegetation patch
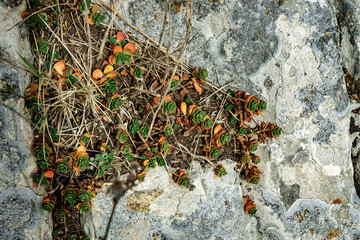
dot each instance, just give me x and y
(102, 100)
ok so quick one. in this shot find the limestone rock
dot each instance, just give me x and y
(292, 54)
(21, 214)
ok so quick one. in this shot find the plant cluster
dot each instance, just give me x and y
(93, 120)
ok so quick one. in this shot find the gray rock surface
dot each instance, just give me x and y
(292, 54)
(21, 214)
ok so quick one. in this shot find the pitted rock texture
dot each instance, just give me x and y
(21, 213)
(292, 54)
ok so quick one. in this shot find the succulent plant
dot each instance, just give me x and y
(138, 71)
(134, 128)
(152, 163)
(97, 18)
(201, 73)
(114, 102)
(245, 159)
(252, 105)
(48, 204)
(242, 131)
(249, 206)
(85, 139)
(176, 126)
(252, 211)
(169, 107)
(165, 147)
(161, 161)
(252, 146)
(84, 5)
(174, 84)
(214, 153)
(85, 195)
(62, 166)
(262, 105)
(254, 179)
(70, 195)
(141, 176)
(224, 138)
(168, 130)
(144, 130)
(208, 123)
(82, 162)
(233, 120)
(83, 207)
(43, 164)
(198, 116)
(62, 212)
(123, 59)
(229, 106)
(276, 131)
(122, 137)
(108, 86)
(220, 171)
(42, 152)
(188, 100)
(54, 134)
(256, 159)
(36, 180)
(182, 179)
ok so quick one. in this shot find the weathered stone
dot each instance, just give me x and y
(22, 216)
(292, 54)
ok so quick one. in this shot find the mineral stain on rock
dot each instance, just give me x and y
(141, 200)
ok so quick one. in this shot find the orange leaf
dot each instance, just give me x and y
(95, 9)
(108, 68)
(59, 67)
(124, 73)
(183, 107)
(162, 139)
(132, 72)
(115, 96)
(198, 88)
(102, 80)
(146, 162)
(117, 49)
(111, 75)
(217, 129)
(120, 36)
(103, 147)
(186, 77)
(130, 47)
(155, 101)
(97, 74)
(49, 174)
(112, 59)
(176, 78)
(167, 98)
(191, 109)
(24, 14)
(59, 160)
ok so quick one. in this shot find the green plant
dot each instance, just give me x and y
(72, 80)
(70, 195)
(198, 116)
(182, 179)
(256, 159)
(54, 134)
(169, 107)
(224, 138)
(83, 207)
(42, 44)
(252, 105)
(97, 18)
(152, 163)
(42, 152)
(73, 237)
(201, 73)
(168, 130)
(176, 126)
(220, 171)
(154, 149)
(262, 105)
(242, 131)
(103, 160)
(82, 162)
(188, 100)
(62, 213)
(84, 5)
(174, 84)
(165, 147)
(85, 195)
(245, 159)
(48, 204)
(114, 102)
(252, 146)
(134, 128)
(160, 160)
(122, 137)
(112, 40)
(208, 123)
(233, 120)
(36, 180)
(123, 59)
(37, 20)
(108, 86)
(229, 106)
(129, 157)
(62, 166)
(138, 72)
(214, 153)
(276, 131)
